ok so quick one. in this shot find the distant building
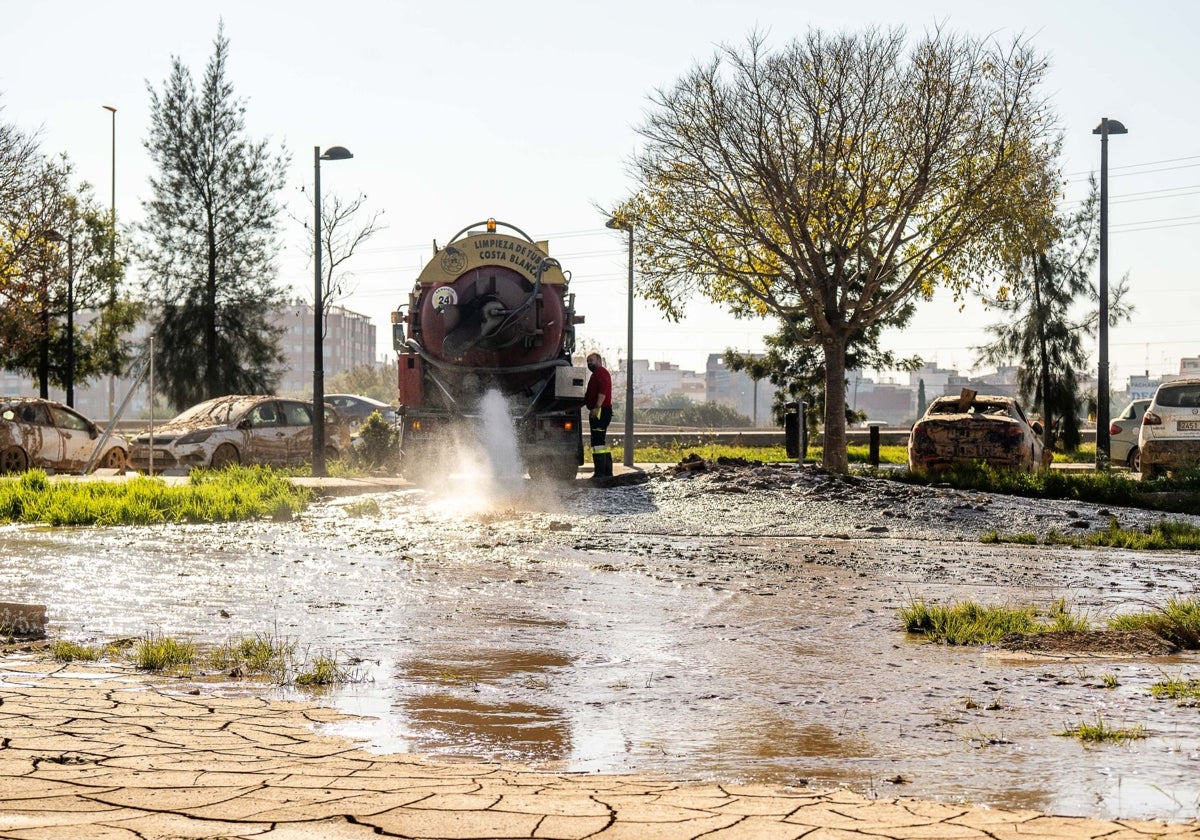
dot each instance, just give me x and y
(737, 390)
(349, 343)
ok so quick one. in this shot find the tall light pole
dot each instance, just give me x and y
(69, 383)
(627, 225)
(318, 438)
(112, 246)
(1103, 450)
(112, 213)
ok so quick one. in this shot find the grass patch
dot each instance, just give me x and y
(1108, 487)
(969, 623)
(258, 655)
(1178, 622)
(209, 496)
(675, 452)
(1185, 692)
(1101, 732)
(1161, 536)
(160, 653)
(324, 671)
(66, 651)
(363, 507)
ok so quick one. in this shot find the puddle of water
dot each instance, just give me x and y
(544, 636)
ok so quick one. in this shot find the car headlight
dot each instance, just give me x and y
(196, 437)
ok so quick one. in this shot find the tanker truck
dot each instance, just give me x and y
(489, 313)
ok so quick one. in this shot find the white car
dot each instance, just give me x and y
(238, 430)
(1123, 435)
(51, 436)
(1170, 433)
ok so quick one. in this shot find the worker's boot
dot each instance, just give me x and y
(603, 464)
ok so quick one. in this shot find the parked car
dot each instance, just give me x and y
(238, 430)
(355, 409)
(1123, 435)
(47, 434)
(1170, 434)
(976, 428)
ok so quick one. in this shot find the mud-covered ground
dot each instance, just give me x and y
(734, 623)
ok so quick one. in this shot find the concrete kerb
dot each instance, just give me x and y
(138, 756)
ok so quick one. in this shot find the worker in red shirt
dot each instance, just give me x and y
(598, 399)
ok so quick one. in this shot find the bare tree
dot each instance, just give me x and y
(341, 235)
(840, 178)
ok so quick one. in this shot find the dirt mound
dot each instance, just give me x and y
(1113, 642)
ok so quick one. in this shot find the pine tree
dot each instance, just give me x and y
(1039, 331)
(208, 239)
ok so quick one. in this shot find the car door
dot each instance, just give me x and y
(39, 437)
(266, 438)
(78, 437)
(298, 431)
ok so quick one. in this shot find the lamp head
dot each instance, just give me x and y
(337, 153)
(614, 223)
(1108, 126)
(109, 108)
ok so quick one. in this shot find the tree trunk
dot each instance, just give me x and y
(212, 374)
(833, 455)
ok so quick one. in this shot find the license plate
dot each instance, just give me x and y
(1188, 425)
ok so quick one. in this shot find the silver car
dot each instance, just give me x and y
(1123, 435)
(1170, 433)
(237, 430)
(49, 435)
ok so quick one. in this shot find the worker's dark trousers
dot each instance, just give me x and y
(601, 454)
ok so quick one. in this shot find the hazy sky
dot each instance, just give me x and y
(525, 111)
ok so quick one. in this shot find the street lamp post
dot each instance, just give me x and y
(318, 417)
(627, 225)
(1103, 442)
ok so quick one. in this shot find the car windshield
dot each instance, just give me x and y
(995, 408)
(1179, 396)
(218, 412)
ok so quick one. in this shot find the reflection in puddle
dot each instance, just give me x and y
(512, 730)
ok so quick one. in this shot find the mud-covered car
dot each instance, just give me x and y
(976, 428)
(355, 409)
(1170, 435)
(1123, 434)
(51, 436)
(238, 430)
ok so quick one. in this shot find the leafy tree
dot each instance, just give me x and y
(379, 382)
(1038, 330)
(61, 259)
(679, 410)
(797, 370)
(209, 239)
(839, 178)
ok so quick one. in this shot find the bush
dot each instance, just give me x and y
(380, 444)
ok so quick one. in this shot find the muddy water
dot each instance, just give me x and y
(655, 629)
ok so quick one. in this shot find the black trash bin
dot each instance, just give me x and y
(795, 430)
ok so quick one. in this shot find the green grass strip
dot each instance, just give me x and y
(209, 496)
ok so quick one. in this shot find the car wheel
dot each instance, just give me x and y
(1150, 471)
(1134, 460)
(114, 459)
(225, 456)
(13, 460)
(331, 453)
